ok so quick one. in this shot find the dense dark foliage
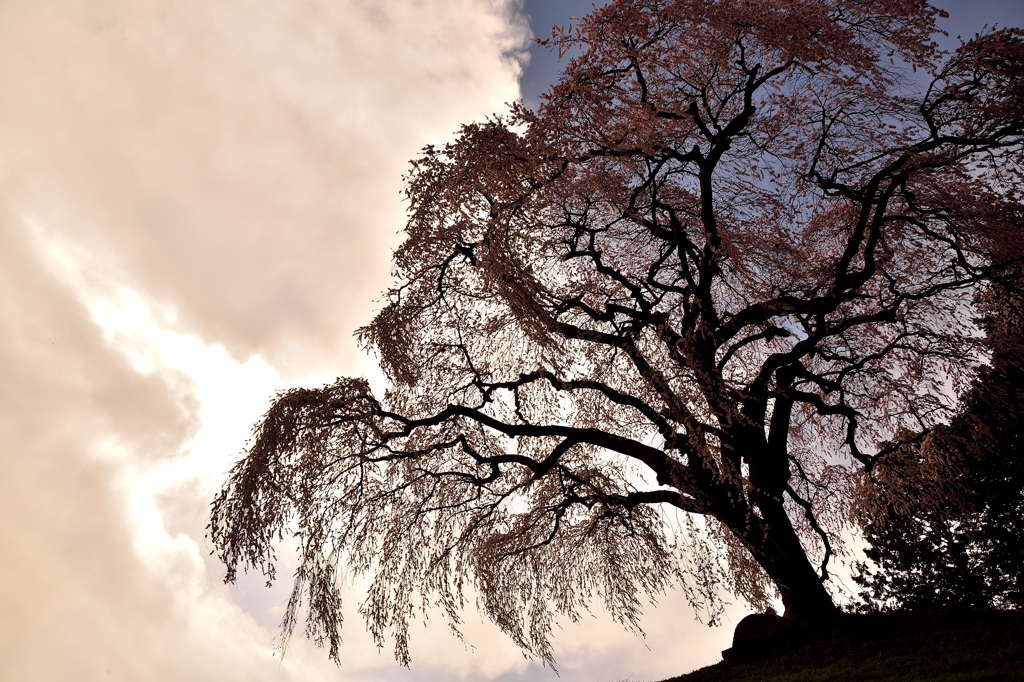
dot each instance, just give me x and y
(972, 551)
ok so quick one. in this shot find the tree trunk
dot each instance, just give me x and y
(772, 539)
(780, 554)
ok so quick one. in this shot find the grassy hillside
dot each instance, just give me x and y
(952, 645)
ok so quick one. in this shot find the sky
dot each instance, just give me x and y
(198, 202)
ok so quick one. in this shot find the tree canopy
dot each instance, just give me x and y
(650, 334)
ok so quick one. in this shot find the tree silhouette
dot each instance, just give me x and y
(648, 334)
(970, 552)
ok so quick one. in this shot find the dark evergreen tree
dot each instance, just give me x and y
(972, 551)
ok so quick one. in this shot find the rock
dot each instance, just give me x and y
(760, 635)
(758, 625)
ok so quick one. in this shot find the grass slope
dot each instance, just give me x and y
(951, 645)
